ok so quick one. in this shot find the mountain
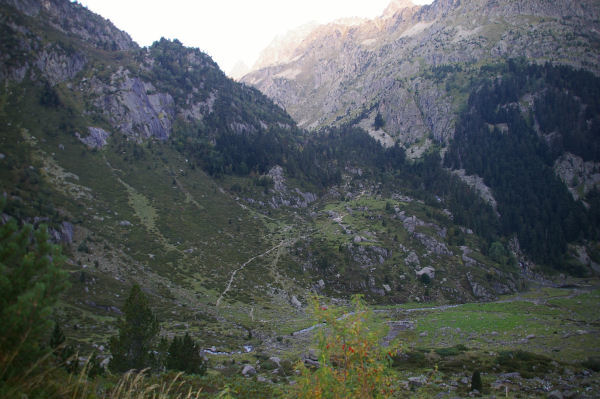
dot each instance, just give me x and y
(239, 69)
(415, 75)
(343, 74)
(150, 166)
(280, 50)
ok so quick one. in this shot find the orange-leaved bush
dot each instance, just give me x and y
(352, 363)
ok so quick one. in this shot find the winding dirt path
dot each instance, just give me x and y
(243, 266)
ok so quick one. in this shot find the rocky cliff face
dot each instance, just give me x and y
(133, 106)
(75, 20)
(138, 92)
(579, 176)
(27, 49)
(347, 74)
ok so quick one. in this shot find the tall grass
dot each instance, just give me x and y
(136, 385)
(47, 379)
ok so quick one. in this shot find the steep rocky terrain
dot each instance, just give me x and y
(347, 73)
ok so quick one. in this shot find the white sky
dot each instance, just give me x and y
(228, 30)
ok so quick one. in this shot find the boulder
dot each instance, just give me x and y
(415, 382)
(275, 360)
(555, 395)
(66, 231)
(412, 259)
(296, 302)
(97, 137)
(248, 371)
(312, 363)
(429, 271)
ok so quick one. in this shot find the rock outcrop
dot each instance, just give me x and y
(59, 61)
(580, 177)
(282, 196)
(97, 137)
(477, 183)
(74, 19)
(133, 106)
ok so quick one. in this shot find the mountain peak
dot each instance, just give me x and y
(397, 5)
(239, 70)
(281, 49)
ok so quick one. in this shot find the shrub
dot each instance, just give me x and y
(452, 351)
(351, 362)
(592, 363)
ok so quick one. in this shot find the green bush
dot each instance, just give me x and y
(352, 365)
(592, 363)
(452, 351)
(527, 363)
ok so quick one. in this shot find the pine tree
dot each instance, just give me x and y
(30, 280)
(130, 349)
(58, 337)
(379, 121)
(160, 355)
(64, 353)
(476, 384)
(184, 355)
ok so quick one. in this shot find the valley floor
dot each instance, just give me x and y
(543, 343)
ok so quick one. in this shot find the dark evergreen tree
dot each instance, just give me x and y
(517, 163)
(379, 121)
(160, 354)
(131, 348)
(30, 280)
(184, 355)
(476, 383)
(58, 337)
(64, 353)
